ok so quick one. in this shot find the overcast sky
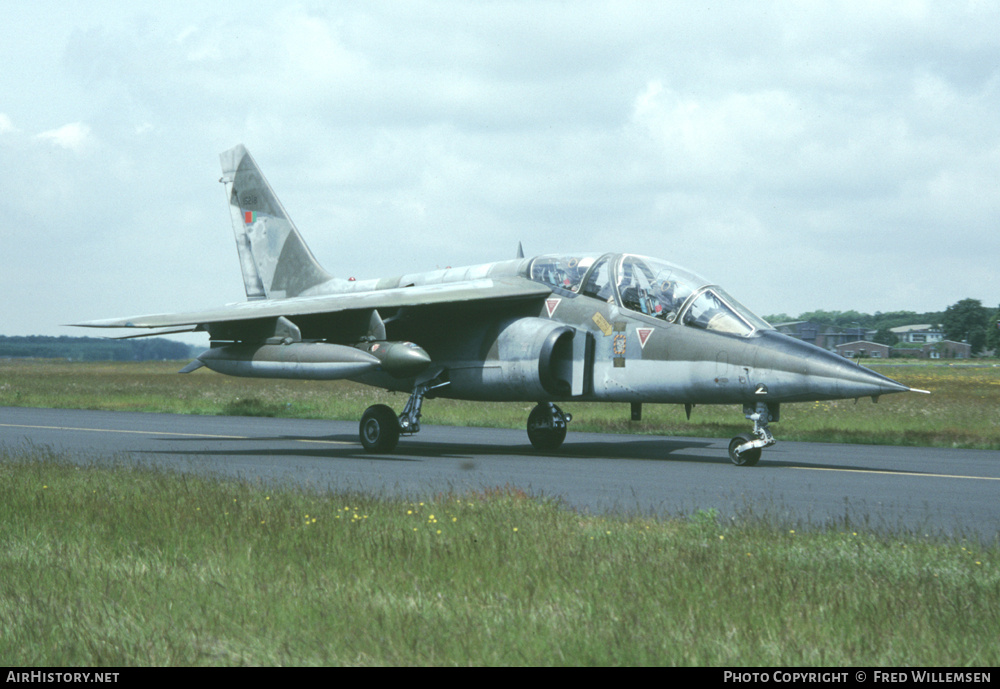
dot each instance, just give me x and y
(804, 155)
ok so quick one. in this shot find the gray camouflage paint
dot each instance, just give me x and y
(489, 330)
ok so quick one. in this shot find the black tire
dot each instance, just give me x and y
(543, 432)
(379, 429)
(745, 459)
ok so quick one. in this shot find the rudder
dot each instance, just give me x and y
(274, 259)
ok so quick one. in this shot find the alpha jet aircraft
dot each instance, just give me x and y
(552, 329)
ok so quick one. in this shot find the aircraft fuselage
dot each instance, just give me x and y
(604, 351)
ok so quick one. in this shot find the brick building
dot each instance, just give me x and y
(863, 349)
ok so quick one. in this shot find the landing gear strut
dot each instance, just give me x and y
(744, 450)
(380, 427)
(547, 426)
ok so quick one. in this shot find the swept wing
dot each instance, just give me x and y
(479, 290)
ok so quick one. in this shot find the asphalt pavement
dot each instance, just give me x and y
(917, 490)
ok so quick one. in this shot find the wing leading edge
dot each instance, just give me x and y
(481, 290)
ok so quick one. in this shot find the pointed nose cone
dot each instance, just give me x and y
(793, 370)
(854, 380)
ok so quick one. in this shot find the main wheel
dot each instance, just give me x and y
(379, 429)
(744, 459)
(544, 432)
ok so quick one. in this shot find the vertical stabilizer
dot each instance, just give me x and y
(276, 263)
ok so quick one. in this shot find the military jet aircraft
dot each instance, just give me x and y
(555, 328)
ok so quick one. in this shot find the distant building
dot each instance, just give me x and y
(801, 330)
(946, 349)
(863, 349)
(827, 337)
(923, 333)
(925, 340)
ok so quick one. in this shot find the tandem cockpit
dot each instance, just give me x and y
(648, 286)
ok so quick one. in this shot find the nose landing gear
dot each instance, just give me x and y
(744, 450)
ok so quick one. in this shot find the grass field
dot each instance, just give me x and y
(962, 411)
(124, 567)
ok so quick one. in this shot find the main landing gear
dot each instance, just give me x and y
(744, 450)
(547, 426)
(380, 428)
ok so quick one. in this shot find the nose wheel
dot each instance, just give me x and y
(747, 458)
(745, 449)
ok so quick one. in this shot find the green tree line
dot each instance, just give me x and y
(93, 348)
(964, 321)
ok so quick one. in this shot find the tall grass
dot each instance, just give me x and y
(131, 566)
(962, 410)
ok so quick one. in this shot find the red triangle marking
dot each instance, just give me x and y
(550, 305)
(644, 334)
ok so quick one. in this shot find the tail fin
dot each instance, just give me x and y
(275, 261)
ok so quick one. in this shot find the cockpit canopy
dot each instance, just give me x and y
(648, 286)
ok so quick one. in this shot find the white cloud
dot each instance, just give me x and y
(6, 125)
(75, 136)
(719, 135)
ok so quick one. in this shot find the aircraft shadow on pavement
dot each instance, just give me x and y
(411, 449)
(653, 448)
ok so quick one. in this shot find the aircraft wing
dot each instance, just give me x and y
(480, 290)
